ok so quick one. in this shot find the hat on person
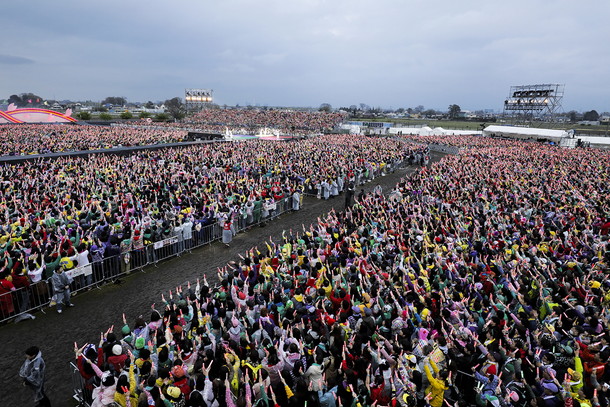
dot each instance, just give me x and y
(595, 284)
(550, 386)
(492, 370)
(117, 350)
(173, 392)
(411, 358)
(178, 371)
(423, 334)
(140, 343)
(125, 330)
(493, 400)
(575, 374)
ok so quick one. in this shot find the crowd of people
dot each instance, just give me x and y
(482, 280)
(26, 139)
(286, 121)
(59, 215)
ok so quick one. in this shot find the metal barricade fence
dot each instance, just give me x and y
(81, 392)
(164, 249)
(205, 235)
(20, 302)
(363, 177)
(281, 206)
(17, 304)
(442, 148)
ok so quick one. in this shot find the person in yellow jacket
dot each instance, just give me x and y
(126, 386)
(580, 397)
(234, 363)
(576, 375)
(438, 384)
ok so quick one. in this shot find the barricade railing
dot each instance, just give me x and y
(361, 178)
(20, 302)
(109, 269)
(82, 392)
(16, 305)
(442, 148)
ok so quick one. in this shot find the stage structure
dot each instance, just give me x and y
(197, 99)
(34, 115)
(528, 103)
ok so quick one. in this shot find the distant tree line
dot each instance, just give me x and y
(26, 100)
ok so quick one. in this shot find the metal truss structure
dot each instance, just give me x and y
(528, 103)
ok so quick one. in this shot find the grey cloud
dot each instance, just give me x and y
(14, 60)
(305, 52)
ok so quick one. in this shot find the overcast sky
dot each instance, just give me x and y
(388, 53)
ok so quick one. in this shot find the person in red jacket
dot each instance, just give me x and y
(118, 358)
(181, 381)
(605, 229)
(7, 307)
(93, 356)
(343, 296)
(593, 362)
(21, 281)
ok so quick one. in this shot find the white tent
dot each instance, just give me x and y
(352, 128)
(412, 131)
(427, 131)
(525, 133)
(591, 141)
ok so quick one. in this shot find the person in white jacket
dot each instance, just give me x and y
(84, 269)
(315, 371)
(187, 233)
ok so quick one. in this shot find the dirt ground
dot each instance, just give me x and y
(97, 310)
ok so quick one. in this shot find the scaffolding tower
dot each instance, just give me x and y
(197, 99)
(530, 103)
